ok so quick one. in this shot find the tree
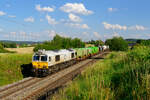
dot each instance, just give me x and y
(99, 43)
(96, 43)
(117, 44)
(59, 42)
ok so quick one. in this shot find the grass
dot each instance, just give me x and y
(120, 76)
(5, 51)
(10, 67)
(92, 84)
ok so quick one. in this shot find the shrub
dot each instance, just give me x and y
(117, 44)
(9, 45)
(144, 42)
(2, 50)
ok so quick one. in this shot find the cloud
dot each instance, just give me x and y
(44, 9)
(51, 20)
(119, 27)
(76, 25)
(85, 26)
(2, 13)
(112, 9)
(11, 16)
(74, 18)
(29, 19)
(77, 8)
(51, 33)
(137, 27)
(114, 26)
(96, 34)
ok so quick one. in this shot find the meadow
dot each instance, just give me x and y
(25, 50)
(120, 76)
(10, 67)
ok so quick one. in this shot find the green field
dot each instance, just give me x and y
(10, 67)
(120, 76)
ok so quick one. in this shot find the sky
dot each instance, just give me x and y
(41, 20)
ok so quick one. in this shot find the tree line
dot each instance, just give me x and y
(144, 42)
(59, 42)
(8, 45)
(96, 42)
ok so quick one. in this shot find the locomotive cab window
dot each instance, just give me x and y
(43, 58)
(57, 57)
(72, 55)
(36, 58)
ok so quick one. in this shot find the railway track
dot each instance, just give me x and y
(10, 89)
(33, 88)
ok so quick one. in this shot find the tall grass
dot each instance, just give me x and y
(10, 67)
(120, 76)
(133, 75)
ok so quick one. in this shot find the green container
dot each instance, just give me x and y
(79, 52)
(94, 50)
(89, 51)
(82, 52)
(85, 52)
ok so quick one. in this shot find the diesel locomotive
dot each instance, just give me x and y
(47, 62)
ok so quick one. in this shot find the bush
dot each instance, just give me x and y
(2, 50)
(144, 42)
(9, 45)
(117, 44)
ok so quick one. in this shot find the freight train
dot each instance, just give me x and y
(47, 62)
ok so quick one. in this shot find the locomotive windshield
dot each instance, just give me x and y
(36, 58)
(40, 58)
(43, 58)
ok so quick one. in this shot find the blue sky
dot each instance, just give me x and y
(40, 20)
